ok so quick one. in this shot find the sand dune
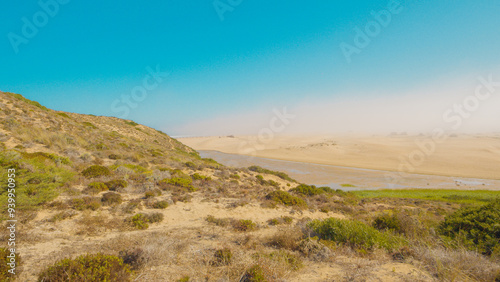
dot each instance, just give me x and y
(474, 156)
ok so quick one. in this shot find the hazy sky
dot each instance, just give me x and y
(335, 65)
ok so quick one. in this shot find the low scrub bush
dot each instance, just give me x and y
(244, 225)
(180, 182)
(141, 221)
(152, 193)
(116, 184)
(223, 222)
(96, 171)
(85, 203)
(160, 205)
(94, 267)
(135, 258)
(355, 234)
(284, 198)
(111, 198)
(307, 190)
(280, 220)
(95, 188)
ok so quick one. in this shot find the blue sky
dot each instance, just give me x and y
(262, 55)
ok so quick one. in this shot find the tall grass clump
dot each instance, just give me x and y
(355, 234)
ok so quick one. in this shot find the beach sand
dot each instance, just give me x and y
(470, 156)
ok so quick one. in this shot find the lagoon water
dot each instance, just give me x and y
(349, 178)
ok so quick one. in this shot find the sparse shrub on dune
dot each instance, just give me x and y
(95, 188)
(111, 198)
(92, 267)
(244, 225)
(160, 204)
(85, 203)
(141, 221)
(96, 171)
(116, 184)
(284, 198)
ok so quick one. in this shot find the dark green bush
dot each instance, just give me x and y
(96, 171)
(95, 188)
(284, 198)
(191, 165)
(478, 227)
(111, 198)
(94, 267)
(116, 184)
(355, 234)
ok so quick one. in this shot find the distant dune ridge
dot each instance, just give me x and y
(475, 156)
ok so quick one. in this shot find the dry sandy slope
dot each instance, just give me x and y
(474, 156)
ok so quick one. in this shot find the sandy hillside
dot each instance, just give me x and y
(463, 155)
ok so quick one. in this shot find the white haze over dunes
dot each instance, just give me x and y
(468, 106)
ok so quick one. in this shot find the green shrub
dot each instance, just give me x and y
(280, 220)
(91, 267)
(222, 257)
(5, 275)
(279, 174)
(95, 188)
(260, 180)
(273, 183)
(41, 156)
(355, 234)
(478, 227)
(223, 222)
(307, 190)
(88, 124)
(116, 184)
(286, 199)
(234, 176)
(180, 182)
(111, 198)
(63, 115)
(244, 225)
(85, 203)
(160, 204)
(191, 165)
(132, 123)
(139, 221)
(152, 193)
(96, 171)
(198, 176)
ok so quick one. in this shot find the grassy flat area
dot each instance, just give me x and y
(446, 195)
